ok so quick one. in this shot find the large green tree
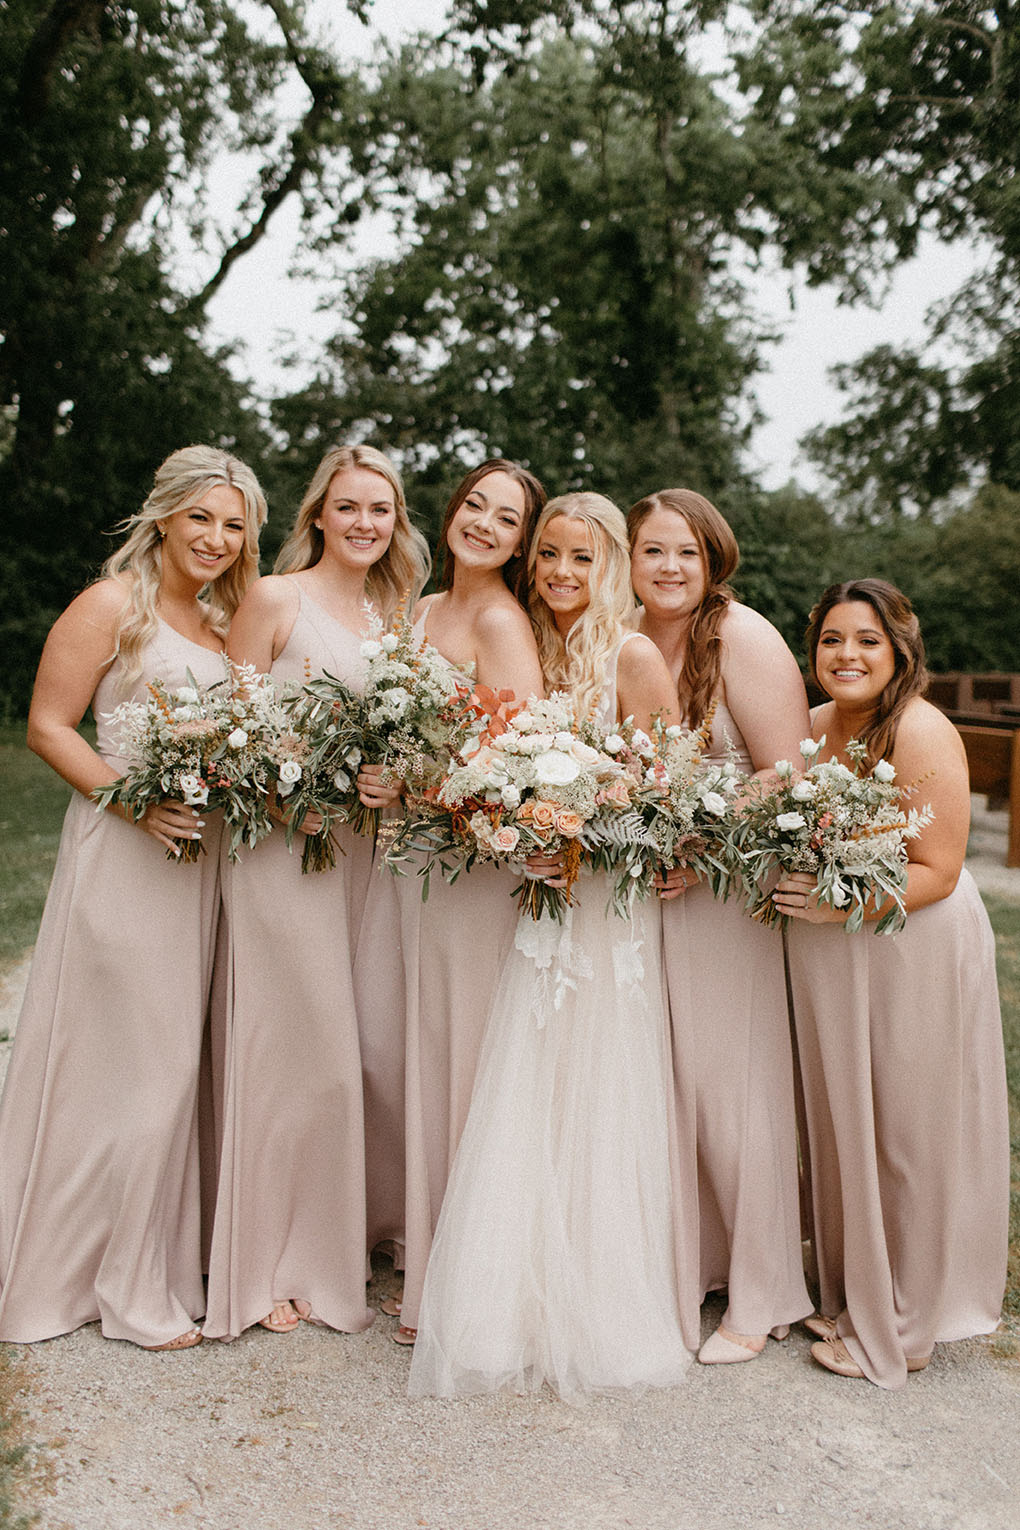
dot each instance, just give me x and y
(926, 95)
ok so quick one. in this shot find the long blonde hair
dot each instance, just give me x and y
(404, 567)
(137, 565)
(580, 662)
(699, 676)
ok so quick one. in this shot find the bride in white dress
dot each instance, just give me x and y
(553, 1258)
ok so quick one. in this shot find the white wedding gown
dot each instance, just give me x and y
(553, 1259)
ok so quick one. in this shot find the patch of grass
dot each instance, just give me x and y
(24, 1468)
(31, 812)
(1005, 919)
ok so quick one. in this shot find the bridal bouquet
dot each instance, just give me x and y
(410, 717)
(681, 812)
(530, 778)
(847, 828)
(206, 746)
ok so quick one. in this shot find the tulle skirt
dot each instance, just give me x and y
(553, 1256)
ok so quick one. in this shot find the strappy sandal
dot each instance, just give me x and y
(187, 1340)
(404, 1335)
(282, 1323)
(391, 1305)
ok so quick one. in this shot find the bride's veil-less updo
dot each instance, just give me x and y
(580, 663)
(402, 569)
(900, 625)
(699, 678)
(137, 565)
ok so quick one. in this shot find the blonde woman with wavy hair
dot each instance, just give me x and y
(554, 1259)
(99, 1192)
(289, 1228)
(726, 986)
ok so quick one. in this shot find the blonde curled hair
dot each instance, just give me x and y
(403, 568)
(137, 565)
(580, 662)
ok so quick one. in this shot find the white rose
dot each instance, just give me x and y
(290, 771)
(614, 743)
(186, 695)
(784, 770)
(884, 772)
(564, 740)
(390, 643)
(809, 747)
(803, 791)
(674, 731)
(712, 802)
(194, 792)
(790, 821)
(511, 795)
(370, 649)
(554, 768)
(237, 739)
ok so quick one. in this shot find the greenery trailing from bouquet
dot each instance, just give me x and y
(847, 828)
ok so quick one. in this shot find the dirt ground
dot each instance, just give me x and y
(314, 1430)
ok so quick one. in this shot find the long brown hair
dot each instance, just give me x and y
(901, 627)
(720, 555)
(515, 570)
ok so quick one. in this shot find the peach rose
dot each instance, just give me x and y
(569, 824)
(543, 815)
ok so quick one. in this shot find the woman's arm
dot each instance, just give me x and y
(644, 686)
(76, 655)
(262, 622)
(764, 690)
(506, 655)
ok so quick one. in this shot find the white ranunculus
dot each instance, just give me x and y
(809, 747)
(712, 802)
(790, 821)
(389, 643)
(555, 768)
(371, 649)
(290, 771)
(238, 739)
(614, 743)
(884, 772)
(186, 695)
(784, 770)
(563, 740)
(803, 791)
(674, 731)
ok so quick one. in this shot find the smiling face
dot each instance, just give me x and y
(667, 566)
(357, 517)
(487, 527)
(563, 561)
(203, 540)
(855, 659)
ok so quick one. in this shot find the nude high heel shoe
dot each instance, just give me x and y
(725, 1348)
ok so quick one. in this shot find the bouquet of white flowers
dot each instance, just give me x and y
(206, 746)
(847, 828)
(410, 717)
(680, 813)
(530, 778)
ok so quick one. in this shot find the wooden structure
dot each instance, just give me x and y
(986, 711)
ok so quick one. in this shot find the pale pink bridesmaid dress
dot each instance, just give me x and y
(99, 1174)
(290, 1210)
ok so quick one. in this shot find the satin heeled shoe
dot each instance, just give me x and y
(834, 1355)
(725, 1348)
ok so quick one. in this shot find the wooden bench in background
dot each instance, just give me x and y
(993, 758)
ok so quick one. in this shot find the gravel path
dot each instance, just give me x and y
(313, 1430)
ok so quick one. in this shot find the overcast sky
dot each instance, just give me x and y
(269, 311)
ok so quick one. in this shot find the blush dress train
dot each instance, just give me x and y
(901, 1052)
(553, 1260)
(290, 1209)
(734, 1081)
(99, 1163)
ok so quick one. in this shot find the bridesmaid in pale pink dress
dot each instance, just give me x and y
(900, 1036)
(726, 981)
(479, 626)
(99, 1180)
(289, 1227)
